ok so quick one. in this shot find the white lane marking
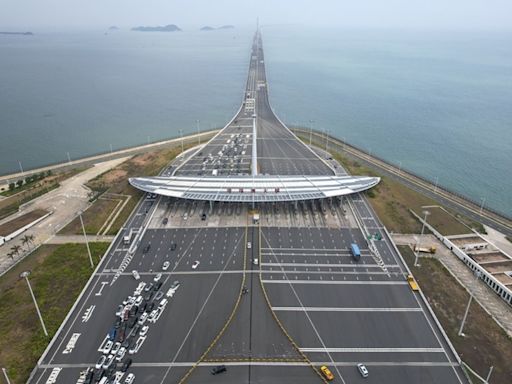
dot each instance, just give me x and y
(339, 309)
(53, 375)
(88, 313)
(103, 283)
(71, 343)
(374, 350)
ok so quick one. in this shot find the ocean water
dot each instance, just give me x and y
(438, 103)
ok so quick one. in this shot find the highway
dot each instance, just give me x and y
(271, 300)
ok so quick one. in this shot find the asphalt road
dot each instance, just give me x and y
(273, 301)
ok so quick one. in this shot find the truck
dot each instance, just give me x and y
(127, 239)
(412, 283)
(425, 249)
(215, 172)
(354, 250)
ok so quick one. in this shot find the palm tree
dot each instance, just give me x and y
(11, 255)
(31, 238)
(25, 240)
(15, 249)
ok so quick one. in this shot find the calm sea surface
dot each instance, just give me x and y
(439, 103)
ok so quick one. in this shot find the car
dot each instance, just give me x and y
(185, 216)
(150, 307)
(112, 333)
(138, 300)
(121, 354)
(195, 264)
(132, 322)
(249, 245)
(108, 362)
(126, 365)
(218, 369)
(165, 221)
(143, 318)
(173, 246)
(362, 370)
(157, 277)
(255, 261)
(166, 265)
(100, 362)
(119, 311)
(129, 379)
(108, 346)
(135, 274)
(144, 330)
(163, 303)
(148, 287)
(146, 248)
(326, 372)
(203, 217)
(158, 295)
(115, 348)
(158, 285)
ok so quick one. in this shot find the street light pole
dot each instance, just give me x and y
(69, 158)
(198, 136)
(21, 167)
(6, 377)
(25, 276)
(489, 374)
(326, 139)
(417, 253)
(86, 241)
(437, 181)
(482, 205)
(461, 333)
(310, 131)
(182, 150)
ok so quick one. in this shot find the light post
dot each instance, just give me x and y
(21, 167)
(182, 150)
(399, 167)
(25, 276)
(437, 181)
(69, 158)
(5, 375)
(489, 374)
(85, 237)
(198, 136)
(417, 253)
(310, 131)
(461, 333)
(111, 150)
(326, 139)
(482, 205)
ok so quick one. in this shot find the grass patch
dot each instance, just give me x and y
(58, 274)
(508, 238)
(94, 217)
(393, 200)
(485, 343)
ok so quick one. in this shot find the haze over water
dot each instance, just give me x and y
(438, 102)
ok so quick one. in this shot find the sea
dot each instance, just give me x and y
(435, 102)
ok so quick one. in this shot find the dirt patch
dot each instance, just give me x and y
(19, 222)
(115, 176)
(485, 343)
(94, 217)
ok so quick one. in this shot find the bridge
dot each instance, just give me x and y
(271, 300)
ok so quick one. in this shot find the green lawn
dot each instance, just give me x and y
(58, 275)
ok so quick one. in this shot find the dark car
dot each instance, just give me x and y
(126, 365)
(219, 369)
(173, 246)
(203, 216)
(158, 285)
(150, 307)
(146, 248)
(132, 322)
(165, 221)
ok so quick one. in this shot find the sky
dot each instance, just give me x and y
(80, 14)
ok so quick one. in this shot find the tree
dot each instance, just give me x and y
(19, 183)
(16, 249)
(12, 186)
(11, 255)
(25, 240)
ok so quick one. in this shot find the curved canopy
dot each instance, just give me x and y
(254, 188)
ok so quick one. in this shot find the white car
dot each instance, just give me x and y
(135, 274)
(195, 264)
(143, 318)
(100, 362)
(138, 300)
(166, 265)
(144, 330)
(120, 354)
(115, 348)
(108, 347)
(249, 245)
(362, 370)
(157, 277)
(129, 379)
(108, 362)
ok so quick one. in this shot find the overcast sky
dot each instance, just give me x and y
(477, 14)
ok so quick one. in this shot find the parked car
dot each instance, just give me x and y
(127, 363)
(195, 264)
(166, 265)
(219, 369)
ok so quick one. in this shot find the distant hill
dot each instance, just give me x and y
(17, 33)
(208, 28)
(167, 28)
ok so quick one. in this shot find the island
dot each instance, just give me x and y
(208, 28)
(113, 28)
(17, 33)
(167, 28)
